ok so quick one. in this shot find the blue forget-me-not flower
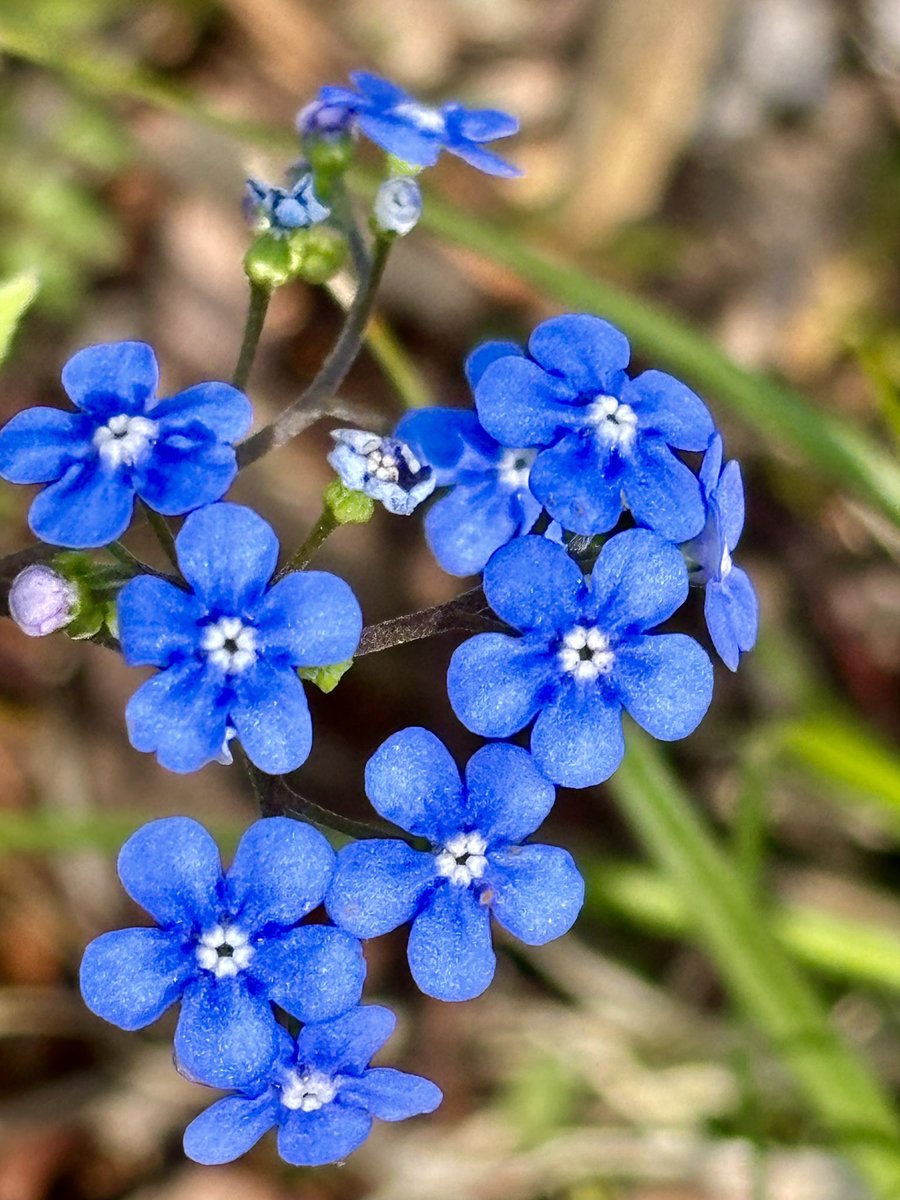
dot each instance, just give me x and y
(228, 650)
(385, 468)
(226, 946)
(476, 867)
(583, 655)
(321, 1094)
(282, 210)
(176, 454)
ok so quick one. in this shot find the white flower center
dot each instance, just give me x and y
(224, 950)
(123, 439)
(428, 120)
(385, 464)
(308, 1090)
(230, 644)
(725, 564)
(586, 653)
(462, 858)
(514, 468)
(613, 421)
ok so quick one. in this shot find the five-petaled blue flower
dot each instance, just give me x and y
(476, 865)
(282, 210)
(230, 647)
(384, 468)
(225, 946)
(605, 438)
(730, 605)
(321, 1095)
(415, 132)
(584, 654)
(175, 454)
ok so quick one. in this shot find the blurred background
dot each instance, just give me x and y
(734, 162)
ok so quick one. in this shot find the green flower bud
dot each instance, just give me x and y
(346, 506)
(269, 263)
(317, 253)
(325, 679)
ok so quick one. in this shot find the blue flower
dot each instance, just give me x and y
(730, 605)
(476, 867)
(175, 454)
(321, 1095)
(225, 946)
(585, 654)
(229, 648)
(605, 438)
(416, 133)
(384, 468)
(282, 210)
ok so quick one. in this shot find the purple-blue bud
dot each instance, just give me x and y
(41, 600)
(320, 119)
(398, 205)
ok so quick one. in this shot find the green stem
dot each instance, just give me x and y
(164, 535)
(124, 556)
(312, 543)
(256, 317)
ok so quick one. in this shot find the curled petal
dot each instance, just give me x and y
(732, 616)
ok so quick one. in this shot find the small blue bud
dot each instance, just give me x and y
(282, 210)
(320, 119)
(41, 600)
(384, 468)
(398, 206)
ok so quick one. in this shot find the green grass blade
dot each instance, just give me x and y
(16, 295)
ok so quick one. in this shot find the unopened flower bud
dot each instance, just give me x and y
(41, 600)
(398, 206)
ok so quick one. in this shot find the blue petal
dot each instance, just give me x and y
(229, 1128)
(88, 506)
(348, 1044)
(665, 683)
(521, 405)
(711, 466)
(587, 351)
(377, 885)
(732, 616)
(662, 492)
(156, 621)
(412, 780)
(482, 356)
(669, 407)
(577, 739)
(401, 139)
(443, 436)
(533, 583)
(180, 475)
(131, 976)
(730, 504)
(496, 683)
(280, 872)
(226, 1035)
(315, 972)
(181, 714)
(536, 892)
(465, 527)
(484, 124)
(578, 482)
(326, 1135)
(450, 952)
(37, 445)
(227, 554)
(171, 868)
(508, 797)
(391, 1095)
(484, 160)
(311, 618)
(638, 580)
(112, 378)
(375, 89)
(215, 407)
(271, 716)
(349, 464)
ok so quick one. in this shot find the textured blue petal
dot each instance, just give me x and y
(536, 891)
(585, 350)
(521, 405)
(347, 1044)
(180, 475)
(482, 356)
(730, 504)
(374, 88)
(497, 683)
(157, 621)
(377, 885)
(485, 124)
(533, 583)
(229, 1128)
(171, 868)
(484, 160)
(638, 580)
(349, 465)
(217, 407)
(662, 492)
(181, 714)
(578, 482)
(280, 872)
(326, 1135)
(271, 716)
(665, 683)
(508, 797)
(227, 554)
(391, 1095)
(577, 739)
(131, 976)
(412, 780)
(466, 526)
(711, 465)
(732, 616)
(89, 506)
(315, 972)
(401, 139)
(311, 617)
(37, 445)
(115, 377)
(442, 437)
(450, 952)
(226, 1035)
(670, 407)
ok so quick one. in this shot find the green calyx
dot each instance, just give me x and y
(325, 679)
(346, 506)
(313, 255)
(95, 586)
(329, 158)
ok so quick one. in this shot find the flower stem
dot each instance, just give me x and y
(469, 612)
(256, 316)
(164, 535)
(312, 543)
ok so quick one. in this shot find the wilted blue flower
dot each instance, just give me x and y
(417, 133)
(477, 865)
(226, 946)
(584, 654)
(730, 605)
(398, 205)
(229, 648)
(605, 438)
(321, 1095)
(41, 600)
(175, 454)
(384, 468)
(282, 210)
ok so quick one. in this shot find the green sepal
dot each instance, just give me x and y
(346, 506)
(317, 254)
(396, 166)
(269, 263)
(92, 581)
(329, 158)
(325, 679)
